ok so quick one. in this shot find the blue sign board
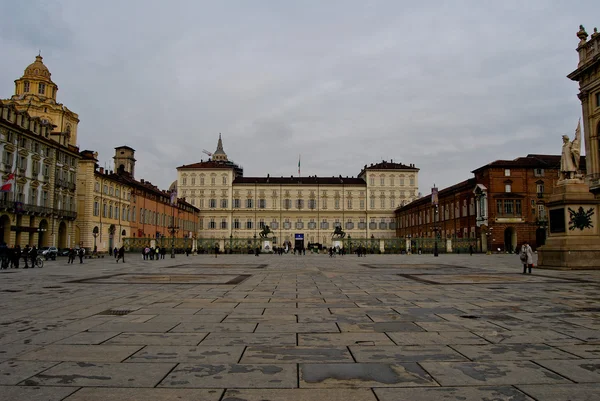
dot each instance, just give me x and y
(299, 236)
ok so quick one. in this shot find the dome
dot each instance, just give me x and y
(38, 70)
(173, 186)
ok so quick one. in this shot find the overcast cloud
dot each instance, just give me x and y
(446, 85)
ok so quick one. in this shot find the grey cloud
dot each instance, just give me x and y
(449, 86)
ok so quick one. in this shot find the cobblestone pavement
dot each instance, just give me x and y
(299, 328)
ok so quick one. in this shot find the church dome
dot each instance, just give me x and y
(173, 186)
(38, 70)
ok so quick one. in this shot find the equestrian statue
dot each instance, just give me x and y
(338, 232)
(265, 232)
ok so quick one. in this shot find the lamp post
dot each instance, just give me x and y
(173, 229)
(436, 228)
(95, 234)
(231, 244)
(490, 240)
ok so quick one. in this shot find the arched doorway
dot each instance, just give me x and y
(4, 229)
(111, 236)
(62, 235)
(510, 239)
(43, 234)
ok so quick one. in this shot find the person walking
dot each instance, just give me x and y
(526, 256)
(121, 254)
(71, 256)
(33, 255)
(25, 255)
(4, 255)
(471, 249)
(216, 250)
(115, 252)
(16, 256)
(80, 253)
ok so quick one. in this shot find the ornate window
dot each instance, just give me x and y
(42, 88)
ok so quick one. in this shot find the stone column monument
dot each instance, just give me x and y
(573, 210)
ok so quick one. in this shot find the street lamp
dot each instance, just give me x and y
(436, 228)
(173, 229)
(490, 240)
(95, 234)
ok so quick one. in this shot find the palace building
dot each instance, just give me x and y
(300, 211)
(117, 209)
(35, 93)
(500, 207)
(39, 159)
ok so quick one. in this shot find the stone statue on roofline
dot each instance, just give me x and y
(569, 160)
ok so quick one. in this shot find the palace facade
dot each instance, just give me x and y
(40, 207)
(298, 210)
(587, 75)
(502, 206)
(116, 209)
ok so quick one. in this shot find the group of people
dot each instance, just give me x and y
(11, 256)
(151, 253)
(75, 252)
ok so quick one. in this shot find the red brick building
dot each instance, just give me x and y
(502, 206)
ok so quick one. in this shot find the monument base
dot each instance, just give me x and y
(574, 240)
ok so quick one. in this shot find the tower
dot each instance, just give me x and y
(219, 154)
(35, 92)
(588, 76)
(124, 160)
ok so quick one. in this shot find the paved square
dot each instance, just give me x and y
(302, 328)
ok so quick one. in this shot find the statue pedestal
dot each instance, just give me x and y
(574, 238)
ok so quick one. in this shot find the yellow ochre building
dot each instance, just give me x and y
(300, 211)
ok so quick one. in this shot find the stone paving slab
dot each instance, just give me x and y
(82, 374)
(10, 351)
(430, 337)
(187, 354)
(145, 394)
(135, 327)
(490, 373)
(13, 372)
(562, 392)
(525, 337)
(581, 371)
(205, 318)
(214, 327)
(510, 330)
(344, 339)
(409, 353)
(500, 393)
(250, 339)
(588, 351)
(512, 352)
(379, 327)
(355, 394)
(81, 353)
(363, 375)
(25, 393)
(297, 328)
(157, 338)
(296, 355)
(88, 338)
(47, 337)
(232, 376)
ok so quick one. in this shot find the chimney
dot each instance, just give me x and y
(142, 180)
(101, 170)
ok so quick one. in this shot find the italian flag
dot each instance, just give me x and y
(7, 185)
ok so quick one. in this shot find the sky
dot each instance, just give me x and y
(446, 85)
